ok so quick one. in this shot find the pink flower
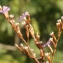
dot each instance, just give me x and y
(48, 43)
(4, 9)
(23, 17)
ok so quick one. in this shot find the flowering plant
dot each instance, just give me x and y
(45, 57)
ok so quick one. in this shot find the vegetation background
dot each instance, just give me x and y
(44, 15)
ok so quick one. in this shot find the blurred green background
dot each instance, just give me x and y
(44, 15)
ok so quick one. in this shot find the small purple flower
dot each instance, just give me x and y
(23, 17)
(48, 43)
(4, 9)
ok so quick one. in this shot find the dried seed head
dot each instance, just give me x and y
(22, 47)
(21, 44)
(52, 33)
(37, 36)
(11, 16)
(26, 47)
(58, 25)
(32, 50)
(16, 24)
(47, 61)
(12, 21)
(51, 39)
(16, 45)
(53, 36)
(59, 21)
(62, 18)
(34, 54)
(17, 27)
(18, 31)
(46, 54)
(23, 23)
(39, 43)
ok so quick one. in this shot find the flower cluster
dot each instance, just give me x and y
(4, 9)
(45, 57)
(23, 17)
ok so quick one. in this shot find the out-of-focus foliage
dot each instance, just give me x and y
(58, 57)
(44, 14)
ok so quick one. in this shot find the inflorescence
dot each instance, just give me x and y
(53, 40)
